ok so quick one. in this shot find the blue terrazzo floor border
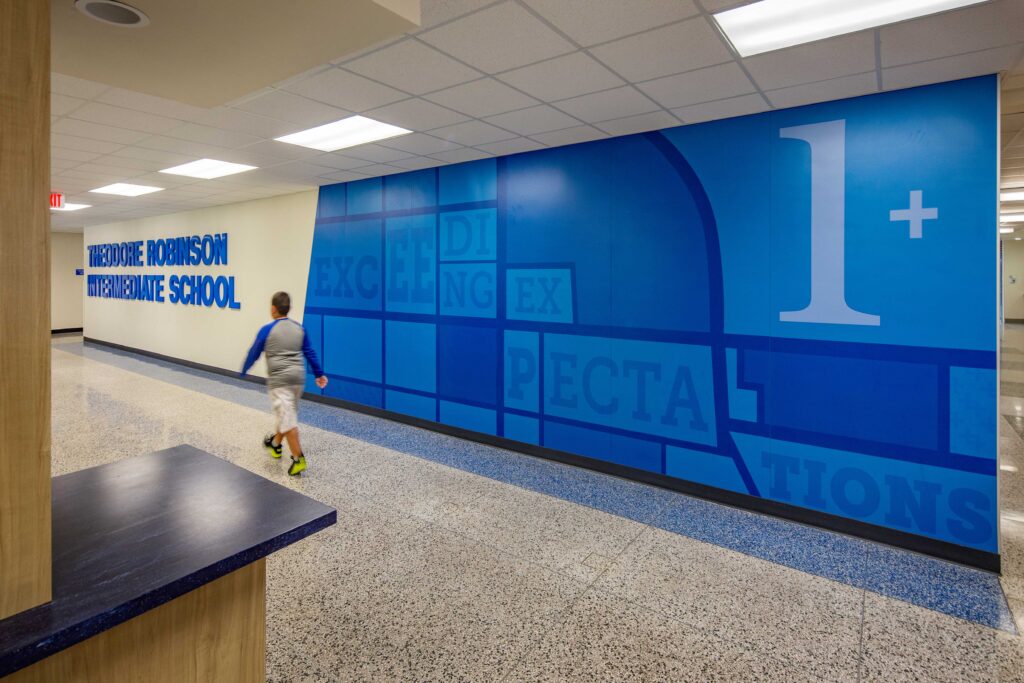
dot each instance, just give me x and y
(970, 594)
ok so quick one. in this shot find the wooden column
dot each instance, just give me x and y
(25, 576)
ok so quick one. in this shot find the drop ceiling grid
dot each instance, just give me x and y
(500, 110)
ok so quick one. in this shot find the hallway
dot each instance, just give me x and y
(442, 568)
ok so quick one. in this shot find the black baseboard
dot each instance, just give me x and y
(900, 539)
(1013, 321)
(66, 330)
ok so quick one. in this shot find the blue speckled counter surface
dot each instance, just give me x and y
(135, 534)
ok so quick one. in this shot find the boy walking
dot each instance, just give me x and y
(287, 347)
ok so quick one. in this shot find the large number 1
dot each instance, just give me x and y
(827, 141)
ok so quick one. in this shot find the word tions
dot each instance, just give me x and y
(189, 290)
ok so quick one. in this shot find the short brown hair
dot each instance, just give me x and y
(282, 302)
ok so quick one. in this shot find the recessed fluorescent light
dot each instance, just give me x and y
(1011, 218)
(355, 130)
(126, 189)
(775, 24)
(1017, 196)
(71, 207)
(208, 169)
(1005, 231)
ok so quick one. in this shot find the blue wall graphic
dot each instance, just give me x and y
(798, 305)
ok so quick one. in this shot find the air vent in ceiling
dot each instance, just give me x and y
(112, 12)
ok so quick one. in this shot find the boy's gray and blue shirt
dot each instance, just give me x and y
(286, 344)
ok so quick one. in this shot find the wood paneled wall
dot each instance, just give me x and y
(216, 633)
(25, 575)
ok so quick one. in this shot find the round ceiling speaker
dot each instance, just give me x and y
(112, 12)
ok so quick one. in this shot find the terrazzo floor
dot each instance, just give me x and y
(453, 561)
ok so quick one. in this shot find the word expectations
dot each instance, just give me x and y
(189, 290)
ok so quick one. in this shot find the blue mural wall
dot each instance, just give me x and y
(798, 305)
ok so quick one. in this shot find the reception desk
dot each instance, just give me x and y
(158, 573)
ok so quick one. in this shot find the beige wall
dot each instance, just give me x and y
(1013, 293)
(269, 242)
(66, 288)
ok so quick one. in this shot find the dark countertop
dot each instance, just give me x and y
(137, 533)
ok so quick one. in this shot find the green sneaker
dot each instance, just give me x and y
(268, 443)
(297, 465)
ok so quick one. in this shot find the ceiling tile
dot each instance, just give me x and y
(713, 6)
(61, 164)
(533, 120)
(950, 68)
(412, 66)
(212, 136)
(434, 12)
(346, 90)
(416, 114)
(460, 155)
(722, 109)
(563, 77)
(842, 56)
(380, 169)
(376, 153)
(124, 118)
(338, 161)
(150, 104)
(285, 106)
(96, 131)
(275, 149)
(63, 104)
(156, 155)
(195, 150)
(502, 37)
(417, 163)
(72, 154)
(570, 136)
(244, 122)
(514, 146)
(75, 87)
(472, 133)
(84, 144)
(420, 143)
(990, 24)
(597, 21)
(639, 124)
(110, 171)
(344, 176)
(702, 85)
(297, 169)
(686, 46)
(130, 163)
(609, 104)
(483, 97)
(824, 91)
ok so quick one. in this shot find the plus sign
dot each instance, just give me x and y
(916, 214)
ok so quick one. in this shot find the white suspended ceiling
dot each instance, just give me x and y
(491, 77)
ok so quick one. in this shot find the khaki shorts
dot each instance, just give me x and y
(284, 403)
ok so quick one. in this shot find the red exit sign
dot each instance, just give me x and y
(56, 200)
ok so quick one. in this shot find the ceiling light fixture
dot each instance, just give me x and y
(126, 189)
(208, 169)
(1011, 218)
(71, 207)
(350, 132)
(1005, 231)
(113, 12)
(775, 24)
(1016, 196)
